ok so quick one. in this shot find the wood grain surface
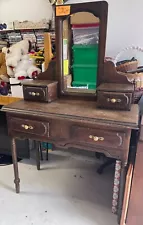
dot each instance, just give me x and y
(76, 110)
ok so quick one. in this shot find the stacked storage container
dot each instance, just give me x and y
(85, 55)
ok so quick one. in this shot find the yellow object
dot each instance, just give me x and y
(63, 10)
(5, 100)
(66, 67)
(3, 69)
(36, 57)
(47, 49)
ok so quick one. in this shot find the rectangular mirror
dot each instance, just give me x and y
(80, 47)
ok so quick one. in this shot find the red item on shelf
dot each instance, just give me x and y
(21, 78)
(88, 25)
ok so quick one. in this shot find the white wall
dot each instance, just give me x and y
(33, 10)
(125, 25)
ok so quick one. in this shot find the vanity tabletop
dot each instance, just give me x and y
(75, 109)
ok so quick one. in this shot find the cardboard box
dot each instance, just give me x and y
(84, 18)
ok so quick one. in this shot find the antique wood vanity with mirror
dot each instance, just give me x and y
(73, 120)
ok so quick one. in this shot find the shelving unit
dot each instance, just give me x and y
(36, 36)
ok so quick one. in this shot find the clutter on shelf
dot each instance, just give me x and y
(16, 31)
(18, 25)
(127, 65)
(131, 68)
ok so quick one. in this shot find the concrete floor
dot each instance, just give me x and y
(67, 191)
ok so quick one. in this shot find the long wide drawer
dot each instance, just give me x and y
(100, 137)
(29, 126)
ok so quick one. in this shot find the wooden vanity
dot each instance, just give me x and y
(73, 120)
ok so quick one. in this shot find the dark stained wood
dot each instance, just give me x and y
(135, 209)
(76, 110)
(74, 121)
(74, 124)
(40, 90)
(29, 126)
(98, 137)
(100, 10)
(122, 88)
(15, 166)
(70, 135)
(111, 75)
(114, 100)
(50, 73)
(38, 154)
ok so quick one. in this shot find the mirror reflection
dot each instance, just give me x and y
(80, 52)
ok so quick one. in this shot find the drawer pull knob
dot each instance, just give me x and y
(113, 100)
(26, 127)
(34, 93)
(95, 138)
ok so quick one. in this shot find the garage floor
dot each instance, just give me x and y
(67, 191)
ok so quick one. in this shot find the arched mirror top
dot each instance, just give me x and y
(80, 47)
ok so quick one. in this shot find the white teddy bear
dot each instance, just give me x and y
(19, 65)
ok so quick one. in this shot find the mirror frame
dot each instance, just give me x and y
(98, 9)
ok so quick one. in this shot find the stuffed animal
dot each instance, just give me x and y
(19, 65)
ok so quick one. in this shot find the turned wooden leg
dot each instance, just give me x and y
(15, 166)
(40, 149)
(47, 152)
(121, 192)
(37, 145)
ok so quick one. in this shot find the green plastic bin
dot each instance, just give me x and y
(85, 54)
(86, 85)
(84, 73)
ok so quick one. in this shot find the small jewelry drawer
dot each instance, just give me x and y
(115, 96)
(28, 126)
(112, 100)
(35, 93)
(41, 91)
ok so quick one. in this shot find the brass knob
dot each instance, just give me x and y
(113, 100)
(33, 93)
(30, 127)
(26, 127)
(95, 138)
(101, 138)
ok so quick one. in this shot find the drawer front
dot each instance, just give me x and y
(35, 93)
(28, 126)
(113, 100)
(98, 137)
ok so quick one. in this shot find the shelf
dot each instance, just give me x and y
(25, 29)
